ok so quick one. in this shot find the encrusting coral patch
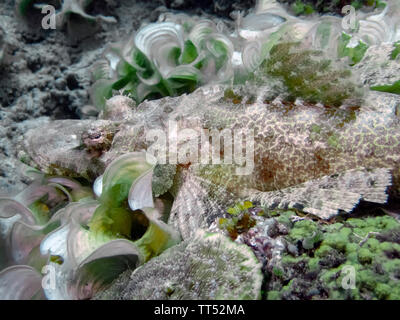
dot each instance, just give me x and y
(325, 256)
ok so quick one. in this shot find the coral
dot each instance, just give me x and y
(362, 244)
(307, 233)
(304, 159)
(21, 283)
(208, 266)
(29, 214)
(87, 241)
(126, 187)
(179, 53)
(164, 59)
(373, 27)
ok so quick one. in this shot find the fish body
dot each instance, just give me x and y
(295, 147)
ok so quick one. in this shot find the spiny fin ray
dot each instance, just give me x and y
(326, 196)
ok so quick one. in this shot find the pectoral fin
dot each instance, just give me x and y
(197, 205)
(326, 196)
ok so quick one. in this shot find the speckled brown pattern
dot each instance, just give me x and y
(294, 143)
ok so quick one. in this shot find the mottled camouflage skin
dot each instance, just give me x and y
(294, 143)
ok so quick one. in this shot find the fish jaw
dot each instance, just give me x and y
(71, 148)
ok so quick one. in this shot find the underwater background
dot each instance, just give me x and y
(298, 200)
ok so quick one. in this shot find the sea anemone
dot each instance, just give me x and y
(164, 59)
(82, 243)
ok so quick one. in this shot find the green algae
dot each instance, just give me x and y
(240, 220)
(334, 6)
(396, 51)
(231, 96)
(283, 217)
(309, 76)
(358, 4)
(367, 247)
(390, 88)
(355, 54)
(40, 211)
(301, 8)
